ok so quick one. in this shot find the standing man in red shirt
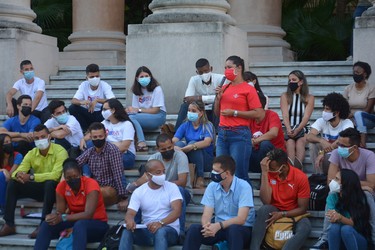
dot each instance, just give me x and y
(267, 135)
(285, 192)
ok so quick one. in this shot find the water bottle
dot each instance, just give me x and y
(22, 211)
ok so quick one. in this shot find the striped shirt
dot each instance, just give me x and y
(106, 166)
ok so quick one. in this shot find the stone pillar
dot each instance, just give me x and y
(98, 33)
(364, 37)
(261, 20)
(21, 39)
(175, 36)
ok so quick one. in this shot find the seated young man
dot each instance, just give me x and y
(267, 135)
(334, 120)
(201, 87)
(285, 192)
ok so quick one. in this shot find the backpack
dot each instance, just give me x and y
(111, 239)
(318, 192)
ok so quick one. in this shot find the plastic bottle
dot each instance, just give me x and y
(22, 211)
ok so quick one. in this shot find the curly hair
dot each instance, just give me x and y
(337, 103)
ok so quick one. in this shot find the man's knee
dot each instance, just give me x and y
(233, 230)
(50, 185)
(109, 195)
(264, 210)
(195, 228)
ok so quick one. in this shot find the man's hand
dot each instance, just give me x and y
(190, 99)
(265, 165)
(123, 205)
(53, 219)
(82, 145)
(22, 177)
(210, 229)
(10, 110)
(63, 127)
(92, 106)
(154, 226)
(130, 225)
(27, 136)
(327, 147)
(274, 217)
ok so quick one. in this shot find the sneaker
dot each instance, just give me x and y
(222, 245)
(320, 244)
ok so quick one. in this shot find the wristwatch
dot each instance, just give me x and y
(139, 110)
(161, 222)
(31, 177)
(235, 113)
(63, 217)
(283, 213)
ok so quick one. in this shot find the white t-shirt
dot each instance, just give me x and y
(121, 131)
(150, 99)
(76, 132)
(30, 89)
(197, 88)
(328, 132)
(84, 92)
(155, 204)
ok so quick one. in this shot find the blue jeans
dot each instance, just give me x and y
(200, 157)
(258, 154)
(236, 142)
(3, 189)
(339, 234)
(186, 197)
(364, 121)
(163, 238)
(83, 231)
(148, 122)
(237, 236)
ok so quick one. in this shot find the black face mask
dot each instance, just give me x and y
(26, 111)
(293, 86)
(216, 177)
(8, 148)
(98, 143)
(358, 78)
(167, 155)
(74, 183)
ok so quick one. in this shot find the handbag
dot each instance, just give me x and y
(318, 192)
(111, 239)
(66, 240)
(281, 230)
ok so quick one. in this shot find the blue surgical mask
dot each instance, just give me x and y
(344, 152)
(193, 117)
(216, 177)
(29, 75)
(144, 81)
(63, 118)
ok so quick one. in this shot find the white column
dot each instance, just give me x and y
(18, 14)
(262, 22)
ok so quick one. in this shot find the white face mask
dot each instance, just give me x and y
(42, 143)
(327, 116)
(106, 114)
(94, 81)
(205, 77)
(334, 186)
(158, 179)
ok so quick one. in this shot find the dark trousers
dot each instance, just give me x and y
(84, 117)
(257, 155)
(237, 236)
(73, 152)
(23, 147)
(83, 231)
(182, 114)
(40, 191)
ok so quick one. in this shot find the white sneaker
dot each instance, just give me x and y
(320, 244)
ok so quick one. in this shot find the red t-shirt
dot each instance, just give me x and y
(285, 193)
(271, 120)
(241, 97)
(77, 203)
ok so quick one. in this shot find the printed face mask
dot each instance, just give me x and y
(216, 177)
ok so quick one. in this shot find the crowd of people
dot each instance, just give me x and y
(75, 158)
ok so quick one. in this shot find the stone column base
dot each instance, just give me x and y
(18, 45)
(84, 58)
(270, 54)
(170, 50)
(363, 40)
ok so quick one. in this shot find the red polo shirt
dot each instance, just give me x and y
(285, 193)
(77, 203)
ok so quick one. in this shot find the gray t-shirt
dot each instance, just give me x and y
(178, 165)
(364, 165)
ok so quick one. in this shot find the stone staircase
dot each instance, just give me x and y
(323, 77)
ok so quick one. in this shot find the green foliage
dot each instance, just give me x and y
(314, 30)
(55, 19)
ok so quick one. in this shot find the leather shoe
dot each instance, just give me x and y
(34, 234)
(7, 230)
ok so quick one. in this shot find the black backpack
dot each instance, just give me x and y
(318, 192)
(111, 239)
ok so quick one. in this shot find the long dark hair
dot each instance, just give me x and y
(2, 153)
(353, 200)
(304, 88)
(120, 113)
(137, 88)
(238, 61)
(249, 76)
